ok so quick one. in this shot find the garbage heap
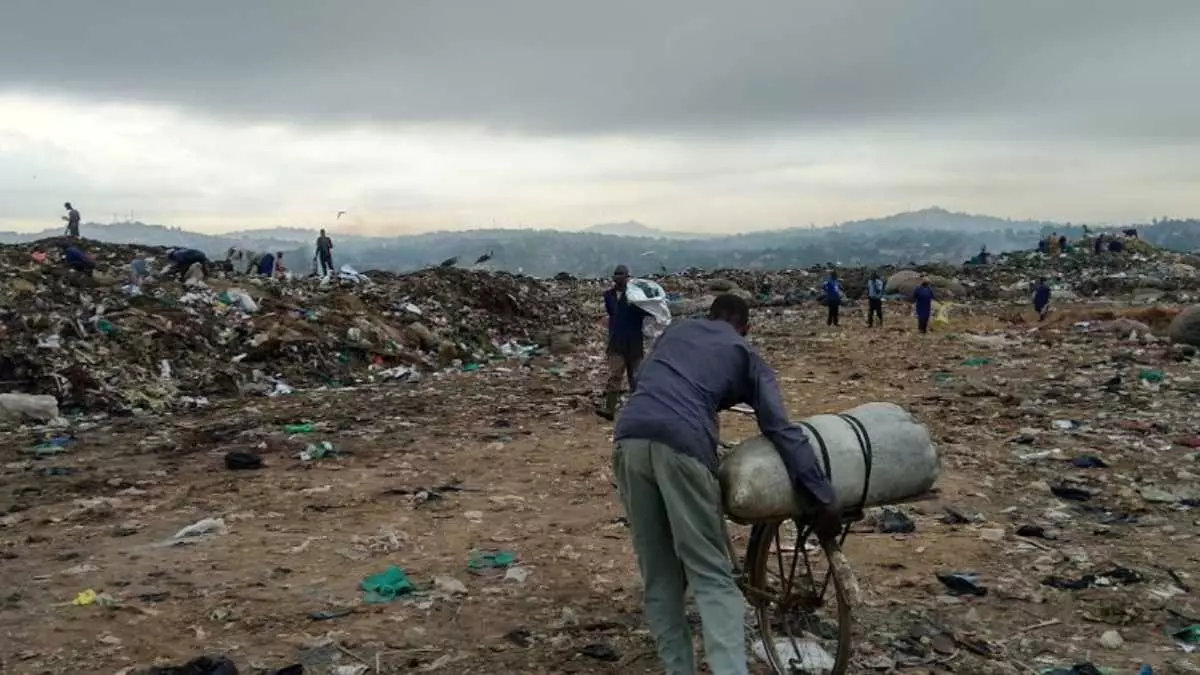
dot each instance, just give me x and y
(101, 343)
(1140, 270)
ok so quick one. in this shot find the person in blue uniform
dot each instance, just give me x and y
(923, 304)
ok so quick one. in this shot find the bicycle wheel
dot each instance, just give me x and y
(803, 620)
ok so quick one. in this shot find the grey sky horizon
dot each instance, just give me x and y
(695, 116)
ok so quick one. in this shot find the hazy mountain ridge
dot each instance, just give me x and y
(930, 235)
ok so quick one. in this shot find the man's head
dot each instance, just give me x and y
(1042, 280)
(620, 276)
(67, 205)
(874, 276)
(925, 283)
(731, 309)
(833, 274)
(279, 255)
(322, 232)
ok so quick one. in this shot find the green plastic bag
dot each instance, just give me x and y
(482, 561)
(386, 586)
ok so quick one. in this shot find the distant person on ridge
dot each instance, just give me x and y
(72, 219)
(77, 260)
(923, 304)
(1062, 243)
(1098, 245)
(875, 290)
(324, 254)
(1053, 244)
(665, 462)
(833, 298)
(1041, 298)
(626, 344)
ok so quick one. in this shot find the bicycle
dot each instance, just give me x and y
(789, 605)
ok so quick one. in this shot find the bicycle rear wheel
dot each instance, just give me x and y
(802, 593)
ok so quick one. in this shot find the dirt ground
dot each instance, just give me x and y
(514, 459)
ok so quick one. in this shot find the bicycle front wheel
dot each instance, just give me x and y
(801, 592)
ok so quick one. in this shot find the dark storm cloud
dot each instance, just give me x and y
(661, 66)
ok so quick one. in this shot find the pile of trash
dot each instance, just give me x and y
(1141, 270)
(104, 343)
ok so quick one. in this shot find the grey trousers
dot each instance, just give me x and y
(673, 503)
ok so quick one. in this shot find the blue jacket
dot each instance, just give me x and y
(697, 368)
(1041, 296)
(833, 290)
(266, 266)
(74, 256)
(923, 299)
(624, 324)
(875, 289)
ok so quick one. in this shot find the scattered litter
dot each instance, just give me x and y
(894, 521)
(201, 528)
(963, 583)
(601, 652)
(490, 562)
(386, 586)
(242, 461)
(315, 451)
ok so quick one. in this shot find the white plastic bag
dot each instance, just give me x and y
(652, 299)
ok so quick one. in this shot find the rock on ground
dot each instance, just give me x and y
(1185, 328)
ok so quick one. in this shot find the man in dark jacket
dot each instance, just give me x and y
(875, 288)
(833, 298)
(626, 343)
(923, 303)
(665, 461)
(1041, 298)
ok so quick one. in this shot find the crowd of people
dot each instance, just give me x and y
(185, 263)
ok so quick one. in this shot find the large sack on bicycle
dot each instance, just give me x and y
(874, 454)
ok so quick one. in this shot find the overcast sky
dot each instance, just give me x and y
(683, 114)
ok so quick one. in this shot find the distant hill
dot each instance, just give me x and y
(930, 235)
(633, 228)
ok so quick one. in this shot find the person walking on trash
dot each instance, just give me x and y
(923, 304)
(874, 300)
(72, 219)
(665, 462)
(626, 344)
(1041, 298)
(833, 298)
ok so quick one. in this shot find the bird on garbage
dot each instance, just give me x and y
(450, 262)
(483, 258)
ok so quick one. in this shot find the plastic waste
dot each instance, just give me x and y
(892, 521)
(242, 461)
(302, 428)
(16, 406)
(652, 299)
(904, 464)
(386, 586)
(800, 656)
(963, 583)
(201, 528)
(316, 451)
(485, 562)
